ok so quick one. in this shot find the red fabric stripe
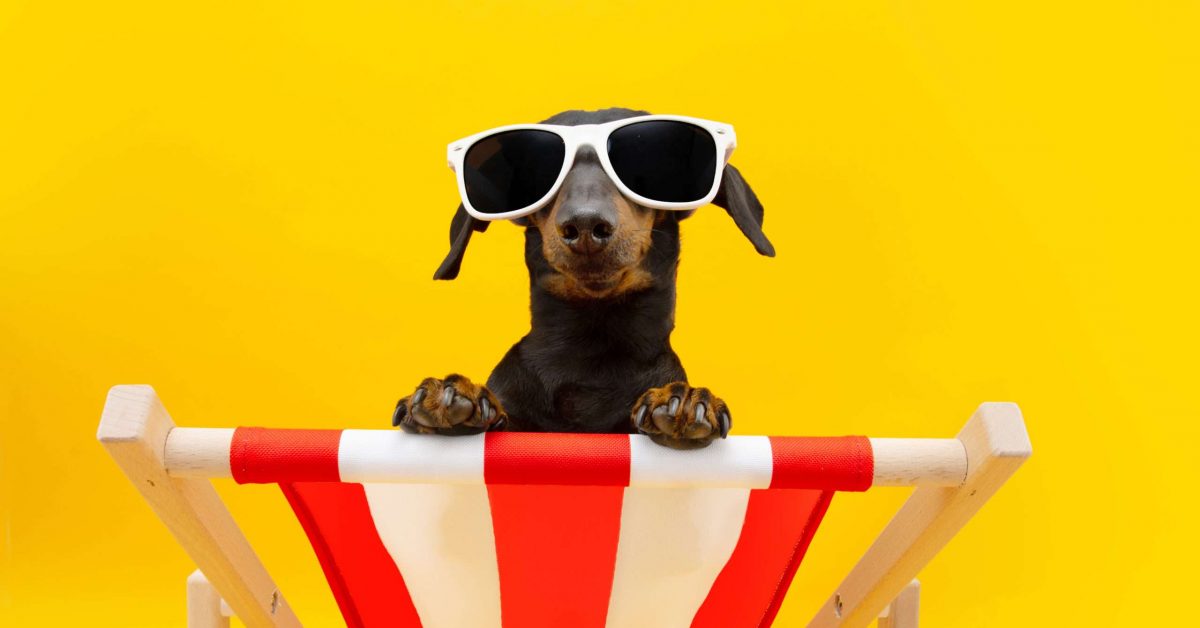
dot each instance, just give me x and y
(831, 464)
(262, 456)
(810, 529)
(556, 550)
(362, 575)
(778, 528)
(570, 459)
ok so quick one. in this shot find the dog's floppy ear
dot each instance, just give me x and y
(461, 228)
(739, 200)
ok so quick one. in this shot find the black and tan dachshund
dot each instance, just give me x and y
(598, 356)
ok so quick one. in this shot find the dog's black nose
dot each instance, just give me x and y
(585, 230)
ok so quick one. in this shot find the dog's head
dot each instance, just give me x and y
(593, 242)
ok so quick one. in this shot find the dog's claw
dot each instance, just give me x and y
(677, 415)
(453, 406)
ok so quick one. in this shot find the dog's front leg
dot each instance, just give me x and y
(681, 417)
(453, 405)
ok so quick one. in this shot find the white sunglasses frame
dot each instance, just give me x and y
(595, 136)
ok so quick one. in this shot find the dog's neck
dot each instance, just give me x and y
(635, 324)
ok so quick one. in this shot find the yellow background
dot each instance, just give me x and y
(242, 204)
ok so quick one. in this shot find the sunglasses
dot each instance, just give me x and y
(662, 162)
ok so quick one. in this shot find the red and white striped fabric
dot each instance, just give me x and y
(530, 530)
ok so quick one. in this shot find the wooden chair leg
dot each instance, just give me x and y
(996, 444)
(134, 428)
(205, 608)
(904, 611)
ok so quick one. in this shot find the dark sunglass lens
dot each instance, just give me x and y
(664, 160)
(511, 170)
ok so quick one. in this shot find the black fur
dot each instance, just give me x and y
(585, 363)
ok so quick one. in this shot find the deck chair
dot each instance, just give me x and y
(529, 530)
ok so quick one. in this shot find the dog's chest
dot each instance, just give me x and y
(597, 407)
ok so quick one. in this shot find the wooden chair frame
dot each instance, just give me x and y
(172, 468)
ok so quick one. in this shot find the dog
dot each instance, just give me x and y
(598, 356)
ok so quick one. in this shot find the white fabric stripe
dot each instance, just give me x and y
(736, 463)
(441, 539)
(380, 456)
(674, 543)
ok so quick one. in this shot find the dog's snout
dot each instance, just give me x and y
(587, 215)
(586, 230)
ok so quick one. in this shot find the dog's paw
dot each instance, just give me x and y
(453, 405)
(681, 417)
